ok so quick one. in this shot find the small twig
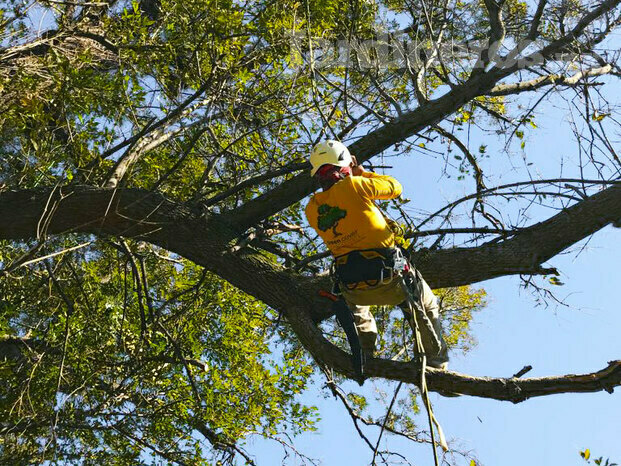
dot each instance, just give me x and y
(522, 371)
(354, 416)
(38, 259)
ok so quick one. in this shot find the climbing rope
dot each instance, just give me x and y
(423, 382)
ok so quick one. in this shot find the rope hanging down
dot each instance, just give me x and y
(424, 389)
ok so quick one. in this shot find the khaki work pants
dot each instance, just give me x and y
(393, 294)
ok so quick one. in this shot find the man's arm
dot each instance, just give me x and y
(373, 186)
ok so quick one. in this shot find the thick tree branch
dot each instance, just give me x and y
(506, 389)
(517, 390)
(133, 212)
(364, 148)
(534, 25)
(497, 27)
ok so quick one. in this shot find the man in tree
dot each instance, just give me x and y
(347, 202)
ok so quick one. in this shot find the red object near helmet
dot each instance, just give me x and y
(332, 173)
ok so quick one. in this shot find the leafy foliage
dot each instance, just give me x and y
(107, 374)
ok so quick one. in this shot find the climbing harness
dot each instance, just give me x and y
(371, 267)
(370, 270)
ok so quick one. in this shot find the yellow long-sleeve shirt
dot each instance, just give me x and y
(346, 217)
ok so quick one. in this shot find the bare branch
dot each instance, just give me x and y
(452, 231)
(379, 437)
(133, 212)
(579, 28)
(551, 79)
(526, 251)
(499, 188)
(509, 389)
(517, 390)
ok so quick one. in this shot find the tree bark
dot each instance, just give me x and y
(208, 241)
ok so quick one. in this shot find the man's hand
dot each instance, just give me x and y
(356, 170)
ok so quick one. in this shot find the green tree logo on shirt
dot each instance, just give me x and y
(329, 217)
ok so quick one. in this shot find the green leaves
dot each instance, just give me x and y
(138, 361)
(586, 456)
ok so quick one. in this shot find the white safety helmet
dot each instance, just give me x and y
(329, 152)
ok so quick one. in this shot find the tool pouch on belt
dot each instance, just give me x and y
(370, 266)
